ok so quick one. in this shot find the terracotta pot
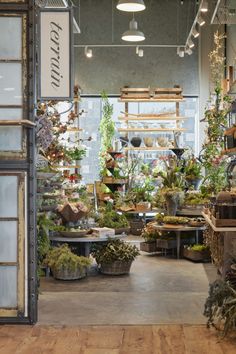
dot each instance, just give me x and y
(136, 141)
(148, 141)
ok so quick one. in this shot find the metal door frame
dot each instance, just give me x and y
(27, 165)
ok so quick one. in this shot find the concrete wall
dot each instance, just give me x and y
(163, 22)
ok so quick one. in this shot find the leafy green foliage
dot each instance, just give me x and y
(43, 225)
(175, 220)
(198, 248)
(149, 233)
(192, 169)
(76, 153)
(142, 192)
(220, 307)
(62, 258)
(115, 250)
(110, 218)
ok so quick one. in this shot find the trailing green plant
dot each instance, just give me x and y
(106, 128)
(115, 250)
(110, 218)
(216, 119)
(61, 258)
(220, 307)
(44, 224)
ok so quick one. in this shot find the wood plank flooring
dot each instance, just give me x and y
(158, 339)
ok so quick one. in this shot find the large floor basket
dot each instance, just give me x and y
(116, 268)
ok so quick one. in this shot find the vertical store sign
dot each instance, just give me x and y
(56, 54)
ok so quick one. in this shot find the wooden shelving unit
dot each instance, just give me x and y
(151, 130)
(151, 117)
(143, 148)
(167, 95)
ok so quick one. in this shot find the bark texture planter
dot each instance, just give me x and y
(197, 256)
(148, 246)
(65, 274)
(116, 268)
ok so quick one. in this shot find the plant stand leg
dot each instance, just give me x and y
(178, 243)
(197, 237)
(87, 249)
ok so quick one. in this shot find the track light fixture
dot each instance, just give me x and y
(139, 51)
(133, 34)
(88, 52)
(201, 21)
(195, 32)
(180, 52)
(188, 51)
(131, 5)
(190, 43)
(204, 7)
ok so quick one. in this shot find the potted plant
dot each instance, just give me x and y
(220, 307)
(172, 186)
(66, 265)
(110, 218)
(76, 153)
(192, 171)
(142, 195)
(197, 253)
(116, 257)
(150, 236)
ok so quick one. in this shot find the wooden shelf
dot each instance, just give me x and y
(69, 129)
(22, 122)
(151, 100)
(143, 130)
(218, 229)
(151, 117)
(143, 148)
(66, 167)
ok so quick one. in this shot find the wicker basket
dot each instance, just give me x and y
(136, 227)
(116, 268)
(148, 246)
(65, 274)
(197, 256)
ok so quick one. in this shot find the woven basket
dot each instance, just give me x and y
(136, 227)
(116, 268)
(65, 274)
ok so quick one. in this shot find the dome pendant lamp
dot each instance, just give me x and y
(131, 5)
(133, 34)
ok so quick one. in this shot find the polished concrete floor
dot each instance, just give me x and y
(159, 290)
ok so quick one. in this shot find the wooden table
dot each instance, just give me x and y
(229, 243)
(85, 241)
(178, 231)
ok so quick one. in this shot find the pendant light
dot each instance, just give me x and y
(133, 34)
(131, 5)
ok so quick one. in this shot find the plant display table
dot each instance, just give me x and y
(227, 239)
(85, 241)
(178, 230)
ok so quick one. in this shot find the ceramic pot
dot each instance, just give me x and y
(148, 141)
(124, 141)
(162, 141)
(136, 141)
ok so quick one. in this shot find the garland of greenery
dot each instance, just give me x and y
(216, 119)
(106, 129)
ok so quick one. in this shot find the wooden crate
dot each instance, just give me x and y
(223, 222)
(197, 256)
(135, 93)
(168, 93)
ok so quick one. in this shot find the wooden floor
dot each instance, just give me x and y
(161, 339)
